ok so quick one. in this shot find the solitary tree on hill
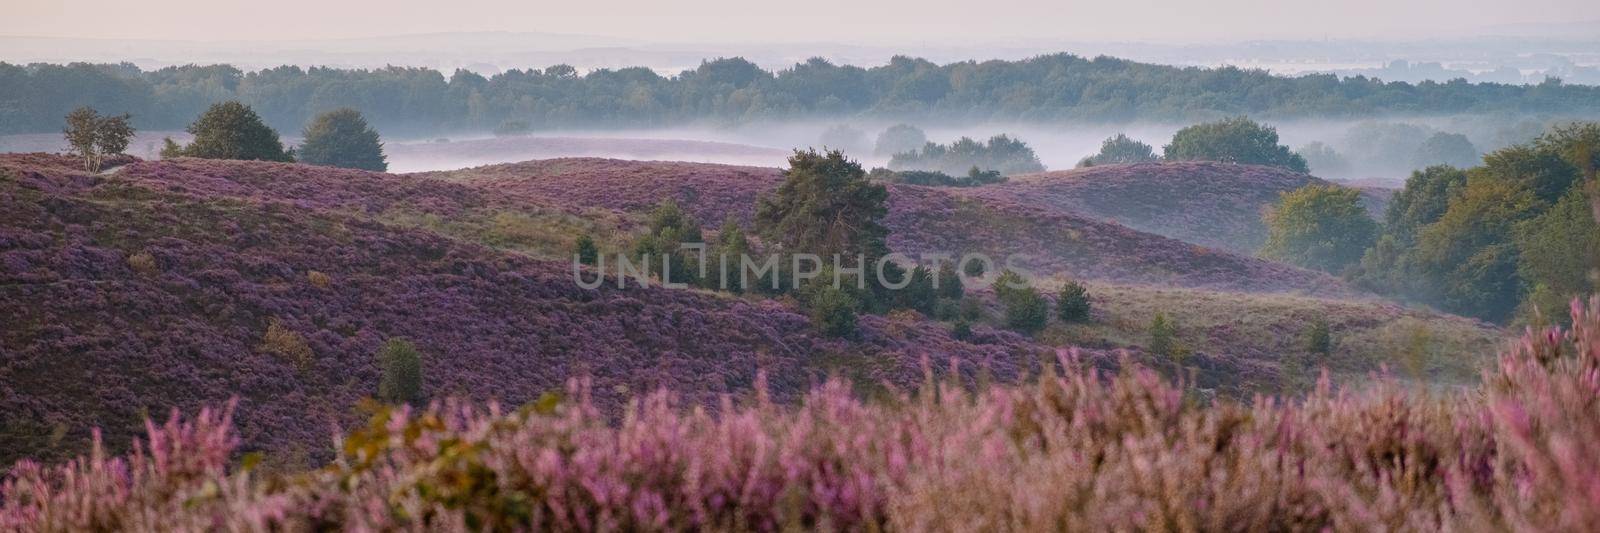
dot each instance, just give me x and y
(342, 138)
(93, 137)
(1234, 140)
(230, 130)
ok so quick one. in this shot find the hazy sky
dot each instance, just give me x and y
(867, 21)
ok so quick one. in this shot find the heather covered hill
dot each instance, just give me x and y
(921, 219)
(1207, 203)
(179, 284)
(457, 153)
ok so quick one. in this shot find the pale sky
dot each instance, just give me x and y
(880, 21)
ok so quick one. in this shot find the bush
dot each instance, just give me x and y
(1026, 310)
(401, 378)
(318, 279)
(1234, 140)
(962, 330)
(342, 138)
(286, 343)
(143, 263)
(1318, 339)
(1000, 153)
(585, 251)
(833, 311)
(1120, 149)
(1072, 305)
(950, 285)
(230, 130)
(1163, 336)
(1325, 227)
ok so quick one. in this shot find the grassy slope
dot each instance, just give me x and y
(921, 219)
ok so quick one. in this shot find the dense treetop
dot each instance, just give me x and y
(34, 97)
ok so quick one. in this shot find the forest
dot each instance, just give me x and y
(1060, 87)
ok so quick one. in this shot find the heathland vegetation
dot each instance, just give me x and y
(1046, 88)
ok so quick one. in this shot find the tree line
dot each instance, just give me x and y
(1055, 87)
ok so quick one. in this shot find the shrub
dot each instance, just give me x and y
(143, 263)
(1001, 153)
(962, 330)
(342, 138)
(833, 311)
(1324, 227)
(1234, 140)
(950, 285)
(1120, 149)
(286, 343)
(1072, 304)
(1163, 334)
(319, 279)
(401, 378)
(585, 250)
(93, 137)
(230, 130)
(826, 207)
(1026, 310)
(1318, 339)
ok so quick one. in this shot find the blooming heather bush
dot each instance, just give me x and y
(1073, 450)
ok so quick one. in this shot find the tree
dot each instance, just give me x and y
(1120, 149)
(670, 228)
(93, 137)
(1560, 252)
(899, 138)
(231, 130)
(401, 366)
(1447, 149)
(585, 250)
(920, 293)
(1233, 140)
(950, 285)
(726, 258)
(1001, 153)
(1318, 339)
(826, 207)
(1324, 227)
(1468, 257)
(1072, 304)
(1163, 334)
(1026, 310)
(1323, 161)
(833, 311)
(342, 138)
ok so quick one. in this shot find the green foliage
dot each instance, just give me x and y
(1120, 149)
(1072, 304)
(1423, 200)
(1007, 282)
(231, 130)
(961, 330)
(1233, 140)
(950, 285)
(1026, 310)
(1323, 160)
(1163, 334)
(670, 228)
(1324, 227)
(401, 367)
(974, 177)
(973, 269)
(93, 137)
(1000, 153)
(833, 311)
(1468, 258)
(1560, 252)
(899, 138)
(585, 250)
(342, 138)
(826, 207)
(1443, 148)
(920, 293)
(725, 257)
(1318, 339)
